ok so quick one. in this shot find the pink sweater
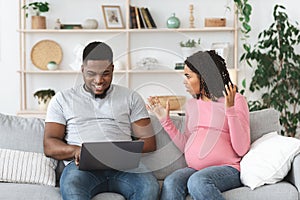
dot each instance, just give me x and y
(213, 136)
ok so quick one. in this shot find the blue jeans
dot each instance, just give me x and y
(76, 184)
(205, 184)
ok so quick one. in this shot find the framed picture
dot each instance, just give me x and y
(112, 17)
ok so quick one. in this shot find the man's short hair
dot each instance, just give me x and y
(97, 51)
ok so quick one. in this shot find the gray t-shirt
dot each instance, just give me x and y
(90, 119)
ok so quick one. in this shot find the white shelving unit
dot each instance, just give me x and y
(129, 46)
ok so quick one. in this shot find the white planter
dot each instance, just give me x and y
(188, 51)
(43, 104)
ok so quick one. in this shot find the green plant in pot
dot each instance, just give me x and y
(277, 75)
(189, 46)
(44, 97)
(37, 21)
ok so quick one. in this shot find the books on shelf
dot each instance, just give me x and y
(140, 18)
(150, 18)
(132, 21)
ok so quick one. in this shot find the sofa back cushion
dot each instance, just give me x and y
(18, 133)
(167, 157)
(262, 122)
(21, 151)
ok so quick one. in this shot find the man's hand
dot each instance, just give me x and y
(155, 107)
(77, 155)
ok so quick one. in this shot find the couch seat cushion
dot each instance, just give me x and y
(13, 191)
(281, 190)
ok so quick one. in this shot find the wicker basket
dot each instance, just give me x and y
(176, 102)
(45, 51)
(215, 22)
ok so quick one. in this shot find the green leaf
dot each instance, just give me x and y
(244, 83)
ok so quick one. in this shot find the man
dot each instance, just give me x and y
(98, 111)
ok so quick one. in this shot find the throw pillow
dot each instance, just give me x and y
(26, 167)
(268, 160)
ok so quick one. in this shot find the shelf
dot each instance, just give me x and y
(58, 72)
(155, 71)
(158, 30)
(169, 71)
(72, 31)
(214, 29)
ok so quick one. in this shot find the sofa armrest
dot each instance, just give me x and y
(294, 174)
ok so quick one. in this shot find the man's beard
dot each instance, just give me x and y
(103, 95)
(100, 96)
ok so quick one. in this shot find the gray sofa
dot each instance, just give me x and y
(26, 134)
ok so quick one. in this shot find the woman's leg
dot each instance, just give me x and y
(209, 183)
(175, 185)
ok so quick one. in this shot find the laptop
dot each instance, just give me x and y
(119, 155)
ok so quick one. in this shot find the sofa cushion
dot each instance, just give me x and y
(262, 122)
(13, 191)
(281, 190)
(268, 160)
(26, 167)
(167, 158)
(18, 133)
(108, 195)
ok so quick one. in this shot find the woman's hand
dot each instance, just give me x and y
(155, 107)
(229, 95)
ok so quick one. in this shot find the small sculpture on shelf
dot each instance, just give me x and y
(192, 16)
(44, 97)
(147, 63)
(57, 24)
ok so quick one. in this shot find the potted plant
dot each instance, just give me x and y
(44, 97)
(189, 47)
(277, 75)
(37, 21)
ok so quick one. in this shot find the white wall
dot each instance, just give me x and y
(9, 57)
(9, 44)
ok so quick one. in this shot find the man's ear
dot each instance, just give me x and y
(82, 68)
(113, 67)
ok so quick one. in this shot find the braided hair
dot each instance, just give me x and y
(222, 69)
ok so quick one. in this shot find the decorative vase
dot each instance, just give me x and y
(90, 24)
(173, 21)
(38, 22)
(52, 65)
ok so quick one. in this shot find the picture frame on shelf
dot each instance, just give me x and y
(112, 16)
